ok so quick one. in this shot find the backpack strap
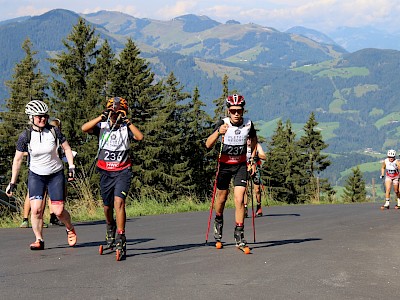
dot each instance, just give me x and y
(53, 132)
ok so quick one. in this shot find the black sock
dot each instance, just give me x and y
(53, 218)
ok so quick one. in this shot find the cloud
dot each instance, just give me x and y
(320, 14)
(30, 10)
(178, 9)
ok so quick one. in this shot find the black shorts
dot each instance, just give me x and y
(227, 172)
(116, 183)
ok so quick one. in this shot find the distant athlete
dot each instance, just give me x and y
(257, 160)
(390, 167)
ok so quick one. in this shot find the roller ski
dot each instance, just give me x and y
(397, 206)
(218, 227)
(386, 205)
(120, 247)
(110, 239)
(241, 243)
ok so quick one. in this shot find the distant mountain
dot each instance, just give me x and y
(20, 19)
(312, 34)
(353, 39)
(199, 36)
(46, 32)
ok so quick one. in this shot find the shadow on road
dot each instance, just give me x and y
(281, 243)
(98, 243)
(99, 222)
(163, 249)
(279, 215)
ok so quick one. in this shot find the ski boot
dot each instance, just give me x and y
(241, 243)
(218, 227)
(398, 204)
(110, 238)
(37, 245)
(259, 212)
(54, 221)
(120, 245)
(385, 206)
(24, 224)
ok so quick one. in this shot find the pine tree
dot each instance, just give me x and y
(311, 145)
(272, 168)
(173, 176)
(220, 109)
(282, 170)
(198, 127)
(354, 190)
(72, 86)
(134, 81)
(27, 84)
(103, 72)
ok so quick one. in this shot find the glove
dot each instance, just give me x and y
(381, 177)
(126, 121)
(71, 173)
(105, 115)
(121, 115)
(10, 188)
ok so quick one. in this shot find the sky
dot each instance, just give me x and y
(322, 15)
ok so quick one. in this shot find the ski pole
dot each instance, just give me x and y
(214, 189)
(252, 208)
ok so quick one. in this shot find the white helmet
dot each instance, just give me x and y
(36, 108)
(391, 153)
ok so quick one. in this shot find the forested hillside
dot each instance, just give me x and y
(282, 75)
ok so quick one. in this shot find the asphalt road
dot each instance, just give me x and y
(301, 252)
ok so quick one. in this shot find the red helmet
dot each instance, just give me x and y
(117, 103)
(235, 100)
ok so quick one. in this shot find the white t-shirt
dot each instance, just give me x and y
(42, 150)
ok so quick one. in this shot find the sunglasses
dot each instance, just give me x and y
(42, 116)
(234, 111)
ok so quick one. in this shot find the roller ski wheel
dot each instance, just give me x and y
(120, 247)
(110, 239)
(219, 245)
(245, 249)
(105, 248)
(119, 254)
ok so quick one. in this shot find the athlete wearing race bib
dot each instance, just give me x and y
(235, 131)
(390, 167)
(115, 131)
(258, 158)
